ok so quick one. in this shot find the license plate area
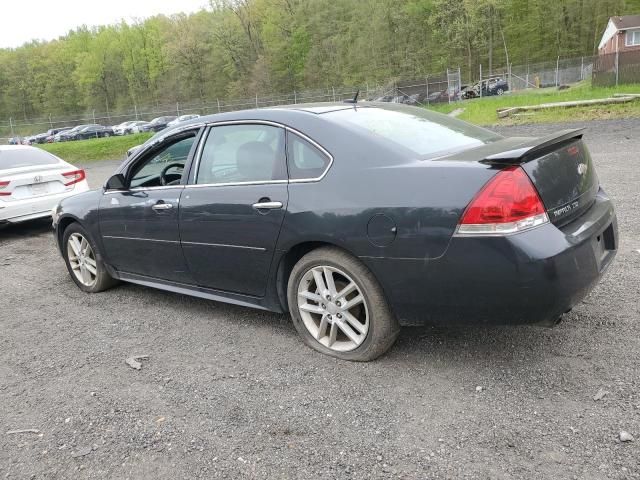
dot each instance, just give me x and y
(39, 189)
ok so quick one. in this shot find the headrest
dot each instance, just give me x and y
(255, 161)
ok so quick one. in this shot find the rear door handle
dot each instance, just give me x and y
(162, 206)
(267, 205)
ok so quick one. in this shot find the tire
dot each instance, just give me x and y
(377, 327)
(107, 135)
(499, 91)
(101, 280)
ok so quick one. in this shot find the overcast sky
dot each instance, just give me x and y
(24, 20)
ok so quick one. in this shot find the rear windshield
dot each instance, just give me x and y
(25, 157)
(419, 130)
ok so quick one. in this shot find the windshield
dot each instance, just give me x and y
(419, 130)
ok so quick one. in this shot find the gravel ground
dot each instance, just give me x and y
(229, 392)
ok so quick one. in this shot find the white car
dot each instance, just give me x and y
(126, 128)
(121, 129)
(33, 181)
(182, 118)
(137, 128)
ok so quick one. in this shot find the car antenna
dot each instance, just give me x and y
(354, 99)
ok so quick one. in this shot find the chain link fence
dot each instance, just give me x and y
(446, 87)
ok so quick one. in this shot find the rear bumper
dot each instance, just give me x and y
(37, 207)
(529, 278)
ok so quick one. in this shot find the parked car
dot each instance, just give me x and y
(91, 131)
(39, 138)
(400, 99)
(132, 127)
(66, 135)
(181, 119)
(417, 99)
(494, 86)
(121, 128)
(138, 127)
(15, 141)
(386, 98)
(51, 133)
(33, 181)
(466, 92)
(432, 221)
(157, 124)
(438, 97)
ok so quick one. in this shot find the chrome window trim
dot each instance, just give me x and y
(265, 182)
(319, 147)
(128, 161)
(233, 184)
(144, 189)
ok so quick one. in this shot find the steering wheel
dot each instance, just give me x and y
(163, 173)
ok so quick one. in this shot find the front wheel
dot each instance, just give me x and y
(83, 260)
(338, 307)
(500, 91)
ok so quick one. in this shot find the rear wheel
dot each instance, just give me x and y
(499, 91)
(339, 308)
(84, 261)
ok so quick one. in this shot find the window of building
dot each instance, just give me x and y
(633, 38)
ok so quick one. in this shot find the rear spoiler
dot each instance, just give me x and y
(534, 148)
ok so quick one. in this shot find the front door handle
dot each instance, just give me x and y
(162, 206)
(267, 205)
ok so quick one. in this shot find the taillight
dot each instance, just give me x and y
(508, 203)
(3, 185)
(74, 177)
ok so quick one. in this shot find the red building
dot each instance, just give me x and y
(622, 35)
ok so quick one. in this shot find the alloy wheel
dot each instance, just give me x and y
(333, 309)
(82, 260)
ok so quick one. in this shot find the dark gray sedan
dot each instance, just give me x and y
(356, 219)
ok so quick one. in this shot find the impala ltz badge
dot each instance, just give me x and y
(582, 168)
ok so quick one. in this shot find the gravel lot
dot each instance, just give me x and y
(229, 392)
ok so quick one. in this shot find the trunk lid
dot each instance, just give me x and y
(559, 166)
(566, 181)
(26, 183)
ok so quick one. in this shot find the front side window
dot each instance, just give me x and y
(242, 153)
(163, 166)
(305, 160)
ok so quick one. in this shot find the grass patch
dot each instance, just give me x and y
(111, 148)
(482, 111)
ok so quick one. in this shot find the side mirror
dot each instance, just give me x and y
(116, 182)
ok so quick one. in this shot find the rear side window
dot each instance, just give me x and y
(25, 157)
(304, 159)
(425, 133)
(242, 153)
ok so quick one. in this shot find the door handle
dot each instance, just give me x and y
(267, 205)
(162, 206)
